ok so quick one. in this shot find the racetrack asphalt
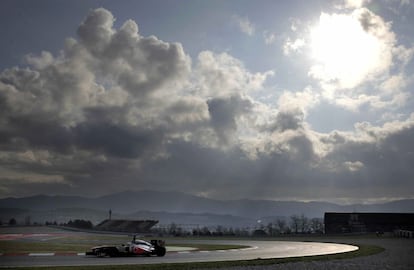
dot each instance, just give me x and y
(259, 249)
(398, 255)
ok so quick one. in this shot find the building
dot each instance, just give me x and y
(367, 222)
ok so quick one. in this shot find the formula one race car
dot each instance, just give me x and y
(133, 248)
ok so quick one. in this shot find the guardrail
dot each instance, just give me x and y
(404, 233)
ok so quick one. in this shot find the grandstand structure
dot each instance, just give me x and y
(127, 226)
(336, 223)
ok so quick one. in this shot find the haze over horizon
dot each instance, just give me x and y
(277, 100)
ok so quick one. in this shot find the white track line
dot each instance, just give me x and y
(41, 254)
(249, 248)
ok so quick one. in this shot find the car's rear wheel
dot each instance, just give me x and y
(160, 251)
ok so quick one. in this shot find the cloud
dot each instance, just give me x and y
(141, 65)
(101, 99)
(222, 74)
(107, 71)
(351, 49)
(293, 46)
(32, 178)
(295, 24)
(405, 2)
(353, 166)
(288, 120)
(300, 100)
(96, 30)
(115, 110)
(115, 95)
(355, 3)
(269, 37)
(244, 24)
(358, 61)
(224, 113)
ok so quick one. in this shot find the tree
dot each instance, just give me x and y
(27, 221)
(230, 232)
(303, 223)
(269, 228)
(299, 223)
(259, 232)
(205, 231)
(80, 223)
(219, 230)
(295, 223)
(281, 225)
(317, 225)
(172, 229)
(12, 222)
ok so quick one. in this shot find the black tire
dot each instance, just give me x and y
(100, 253)
(160, 251)
(112, 252)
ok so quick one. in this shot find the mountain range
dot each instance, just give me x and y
(177, 207)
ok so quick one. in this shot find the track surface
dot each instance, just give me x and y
(259, 249)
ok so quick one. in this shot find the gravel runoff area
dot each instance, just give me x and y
(398, 255)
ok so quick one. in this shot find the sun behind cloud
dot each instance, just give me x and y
(348, 48)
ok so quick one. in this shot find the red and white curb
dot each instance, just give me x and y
(46, 254)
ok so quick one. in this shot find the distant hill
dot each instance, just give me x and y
(194, 220)
(177, 206)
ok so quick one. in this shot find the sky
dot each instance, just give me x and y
(276, 100)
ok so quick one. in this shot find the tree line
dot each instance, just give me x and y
(295, 224)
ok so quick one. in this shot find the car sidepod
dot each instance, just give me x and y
(141, 249)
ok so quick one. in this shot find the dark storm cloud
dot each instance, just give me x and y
(378, 164)
(230, 174)
(286, 120)
(100, 137)
(224, 113)
(44, 134)
(289, 121)
(125, 142)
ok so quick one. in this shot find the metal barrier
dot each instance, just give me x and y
(404, 233)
